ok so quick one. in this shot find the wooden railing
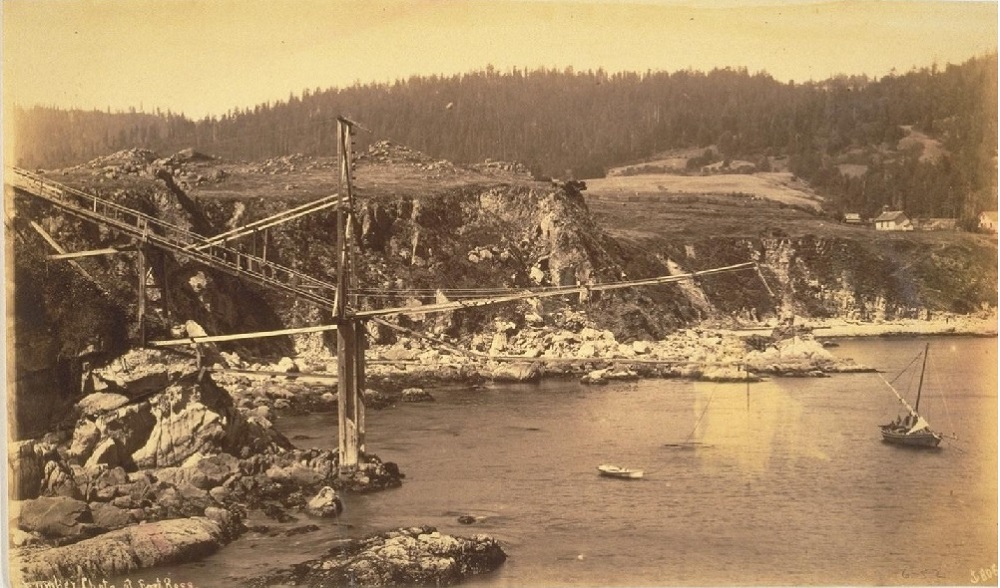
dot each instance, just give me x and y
(158, 233)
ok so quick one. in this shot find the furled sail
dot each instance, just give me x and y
(902, 400)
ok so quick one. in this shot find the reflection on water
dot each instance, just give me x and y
(797, 488)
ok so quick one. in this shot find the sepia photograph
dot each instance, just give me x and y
(554, 293)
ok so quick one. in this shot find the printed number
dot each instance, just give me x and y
(984, 574)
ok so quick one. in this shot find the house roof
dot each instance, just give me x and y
(990, 214)
(937, 223)
(891, 215)
(852, 215)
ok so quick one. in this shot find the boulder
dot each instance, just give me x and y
(107, 453)
(595, 377)
(180, 432)
(215, 471)
(59, 480)
(325, 504)
(108, 517)
(125, 550)
(622, 374)
(230, 524)
(196, 416)
(100, 402)
(287, 364)
(56, 517)
(641, 347)
(180, 501)
(107, 484)
(130, 425)
(416, 395)
(221, 494)
(86, 437)
(296, 473)
(516, 372)
(201, 472)
(19, 538)
(139, 372)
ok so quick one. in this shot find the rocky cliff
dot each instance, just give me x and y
(431, 231)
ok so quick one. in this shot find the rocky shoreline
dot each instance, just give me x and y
(160, 461)
(982, 325)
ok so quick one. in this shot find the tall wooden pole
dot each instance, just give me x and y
(920, 386)
(350, 331)
(141, 267)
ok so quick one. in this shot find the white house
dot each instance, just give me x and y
(893, 220)
(988, 221)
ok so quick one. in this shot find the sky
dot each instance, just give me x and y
(204, 57)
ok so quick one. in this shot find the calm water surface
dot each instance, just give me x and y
(789, 486)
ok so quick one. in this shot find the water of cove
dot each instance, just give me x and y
(796, 489)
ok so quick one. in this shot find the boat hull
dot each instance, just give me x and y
(621, 473)
(928, 439)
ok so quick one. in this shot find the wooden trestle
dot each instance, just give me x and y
(213, 252)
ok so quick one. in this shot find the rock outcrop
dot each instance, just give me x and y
(191, 416)
(415, 556)
(129, 549)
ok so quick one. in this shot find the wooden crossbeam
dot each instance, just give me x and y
(276, 219)
(56, 246)
(256, 335)
(91, 253)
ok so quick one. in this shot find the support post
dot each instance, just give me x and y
(140, 261)
(165, 290)
(350, 330)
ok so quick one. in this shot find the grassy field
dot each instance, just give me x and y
(780, 187)
(652, 216)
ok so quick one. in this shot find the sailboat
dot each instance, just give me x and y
(911, 430)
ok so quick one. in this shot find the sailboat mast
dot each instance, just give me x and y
(916, 407)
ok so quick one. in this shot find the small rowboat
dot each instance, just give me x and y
(613, 471)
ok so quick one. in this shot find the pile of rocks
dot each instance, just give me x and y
(120, 163)
(693, 353)
(389, 152)
(494, 168)
(287, 164)
(156, 446)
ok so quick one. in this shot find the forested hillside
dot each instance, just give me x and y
(924, 141)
